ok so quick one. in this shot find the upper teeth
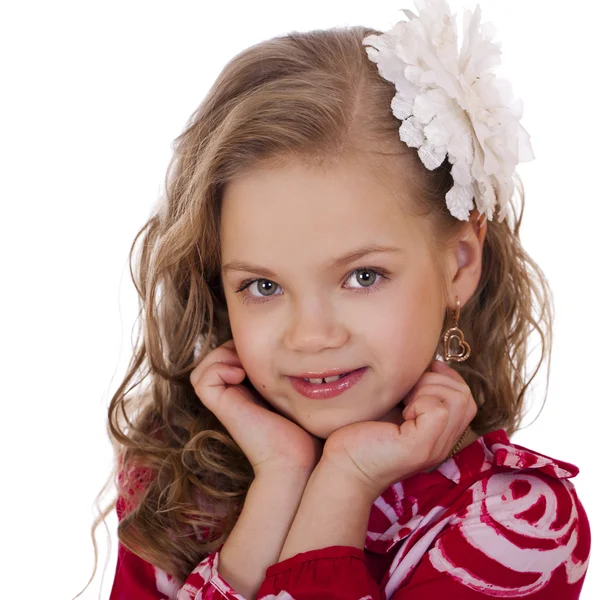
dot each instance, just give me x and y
(326, 379)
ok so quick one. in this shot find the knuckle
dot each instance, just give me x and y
(433, 403)
(226, 354)
(216, 366)
(427, 388)
(460, 397)
(442, 408)
(208, 369)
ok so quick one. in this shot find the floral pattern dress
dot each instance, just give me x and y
(497, 520)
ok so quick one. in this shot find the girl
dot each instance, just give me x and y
(338, 215)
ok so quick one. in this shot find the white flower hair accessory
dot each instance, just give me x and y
(452, 104)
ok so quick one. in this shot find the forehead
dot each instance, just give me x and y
(308, 213)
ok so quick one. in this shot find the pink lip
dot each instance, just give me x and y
(317, 391)
(314, 374)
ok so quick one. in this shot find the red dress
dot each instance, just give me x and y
(496, 520)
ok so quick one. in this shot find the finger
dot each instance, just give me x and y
(456, 378)
(462, 410)
(439, 371)
(453, 377)
(456, 401)
(218, 355)
(439, 428)
(455, 416)
(429, 425)
(422, 403)
(235, 406)
(440, 378)
(211, 386)
(439, 366)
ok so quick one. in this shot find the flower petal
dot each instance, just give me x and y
(432, 156)
(411, 133)
(459, 201)
(401, 108)
(430, 103)
(461, 173)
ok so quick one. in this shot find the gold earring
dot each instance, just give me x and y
(455, 333)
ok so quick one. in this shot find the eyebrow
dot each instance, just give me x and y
(349, 257)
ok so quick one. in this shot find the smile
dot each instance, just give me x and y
(325, 379)
(328, 387)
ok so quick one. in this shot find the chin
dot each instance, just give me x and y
(324, 430)
(319, 430)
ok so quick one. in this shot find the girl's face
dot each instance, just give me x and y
(319, 297)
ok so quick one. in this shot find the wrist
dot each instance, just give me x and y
(334, 511)
(347, 481)
(267, 515)
(294, 476)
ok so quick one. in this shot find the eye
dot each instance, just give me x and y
(259, 290)
(263, 287)
(365, 277)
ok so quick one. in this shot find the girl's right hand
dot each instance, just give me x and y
(272, 443)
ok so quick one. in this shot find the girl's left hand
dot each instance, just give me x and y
(377, 454)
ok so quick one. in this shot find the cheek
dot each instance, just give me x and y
(407, 329)
(253, 345)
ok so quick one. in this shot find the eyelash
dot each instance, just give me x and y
(367, 290)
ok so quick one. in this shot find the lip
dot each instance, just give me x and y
(320, 391)
(314, 374)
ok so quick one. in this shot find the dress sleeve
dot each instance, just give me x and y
(524, 535)
(136, 579)
(335, 573)
(520, 535)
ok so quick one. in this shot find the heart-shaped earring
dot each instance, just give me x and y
(454, 333)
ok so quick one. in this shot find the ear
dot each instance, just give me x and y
(464, 260)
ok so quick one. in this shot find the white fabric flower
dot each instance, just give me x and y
(451, 103)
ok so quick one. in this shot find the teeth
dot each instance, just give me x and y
(326, 379)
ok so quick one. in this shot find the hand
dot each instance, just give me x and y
(377, 454)
(272, 443)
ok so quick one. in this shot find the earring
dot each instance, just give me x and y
(455, 333)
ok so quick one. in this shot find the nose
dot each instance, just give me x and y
(314, 327)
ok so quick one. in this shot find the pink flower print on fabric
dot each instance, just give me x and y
(167, 584)
(514, 522)
(206, 577)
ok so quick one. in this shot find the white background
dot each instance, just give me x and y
(93, 95)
